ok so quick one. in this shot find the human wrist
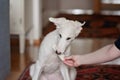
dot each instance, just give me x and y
(79, 62)
(82, 59)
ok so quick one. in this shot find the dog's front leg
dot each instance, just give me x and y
(35, 70)
(64, 68)
(72, 70)
(65, 72)
(72, 73)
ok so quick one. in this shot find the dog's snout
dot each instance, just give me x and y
(58, 53)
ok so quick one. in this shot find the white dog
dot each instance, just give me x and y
(49, 66)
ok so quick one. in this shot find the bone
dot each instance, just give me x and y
(61, 57)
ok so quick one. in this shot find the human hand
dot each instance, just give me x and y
(72, 60)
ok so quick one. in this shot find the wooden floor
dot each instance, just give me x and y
(20, 61)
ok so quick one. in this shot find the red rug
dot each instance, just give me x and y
(98, 72)
(88, 72)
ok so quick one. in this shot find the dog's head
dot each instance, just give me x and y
(67, 31)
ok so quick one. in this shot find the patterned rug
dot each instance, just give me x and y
(97, 26)
(98, 72)
(88, 72)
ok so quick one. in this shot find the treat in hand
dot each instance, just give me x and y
(61, 57)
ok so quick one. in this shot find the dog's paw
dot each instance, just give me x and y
(61, 57)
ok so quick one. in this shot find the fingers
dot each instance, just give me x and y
(69, 62)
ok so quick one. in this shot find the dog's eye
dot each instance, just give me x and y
(60, 35)
(68, 38)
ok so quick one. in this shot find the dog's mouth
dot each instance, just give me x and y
(54, 48)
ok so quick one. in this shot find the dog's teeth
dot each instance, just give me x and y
(61, 56)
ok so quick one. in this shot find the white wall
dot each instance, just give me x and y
(29, 19)
(53, 7)
(76, 4)
(50, 8)
(28, 13)
(33, 19)
(50, 4)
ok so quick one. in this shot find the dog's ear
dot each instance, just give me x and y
(57, 21)
(79, 27)
(79, 24)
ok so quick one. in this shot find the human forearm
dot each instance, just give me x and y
(102, 55)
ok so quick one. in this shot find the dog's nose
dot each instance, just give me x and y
(58, 53)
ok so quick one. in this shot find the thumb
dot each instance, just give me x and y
(68, 57)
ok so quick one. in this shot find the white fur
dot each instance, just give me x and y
(49, 66)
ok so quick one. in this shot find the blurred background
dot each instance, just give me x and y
(29, 24)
